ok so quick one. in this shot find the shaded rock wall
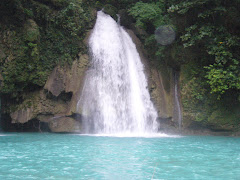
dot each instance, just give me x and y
(56, 102)
(202, 110)
(65, 80)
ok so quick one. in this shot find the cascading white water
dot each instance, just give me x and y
(115, 98)
(178, 112)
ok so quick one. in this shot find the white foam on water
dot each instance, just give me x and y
(130, 135)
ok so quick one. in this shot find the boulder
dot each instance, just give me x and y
(22, 115)
(64, 124)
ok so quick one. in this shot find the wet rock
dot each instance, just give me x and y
(167, 125)
(64, 124)
(22, 116)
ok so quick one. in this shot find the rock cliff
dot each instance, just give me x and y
(55, 104)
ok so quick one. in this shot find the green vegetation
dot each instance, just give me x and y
(217, 33)
(206, 50)
(212, 27)
(211, 34)
(36, 36)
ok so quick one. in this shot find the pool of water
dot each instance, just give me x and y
(68, 156)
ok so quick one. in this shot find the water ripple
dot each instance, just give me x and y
(65, 156)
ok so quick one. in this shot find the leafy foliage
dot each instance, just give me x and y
(211, 26)
(218, 39)
(51, 32)
(212, 35)
(145, 12)
(206, 49)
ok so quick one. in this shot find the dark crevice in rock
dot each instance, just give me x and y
(64, 96)
(78, 56)
(150, 28)
(6, 122)
(77, 117)
(214, 128)
(33, 125)
(31, 88)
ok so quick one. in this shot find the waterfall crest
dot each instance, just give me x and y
(115, 98)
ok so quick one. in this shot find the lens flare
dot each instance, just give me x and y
(165, 35)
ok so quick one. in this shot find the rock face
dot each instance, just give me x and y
(65, 80)
(57, 100)
(22, 116)
(64, 124)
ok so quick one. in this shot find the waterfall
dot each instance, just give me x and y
(0, 113)
(115, 97)
(178, 112)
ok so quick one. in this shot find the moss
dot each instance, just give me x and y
(223, 118)
(31, 31)
(51, 33)
(201, 106)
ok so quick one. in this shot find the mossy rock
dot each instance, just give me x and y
(32, 31)
(111, 10)
(225, 119)
(47, 36)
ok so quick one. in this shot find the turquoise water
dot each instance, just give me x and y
(65, 156)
